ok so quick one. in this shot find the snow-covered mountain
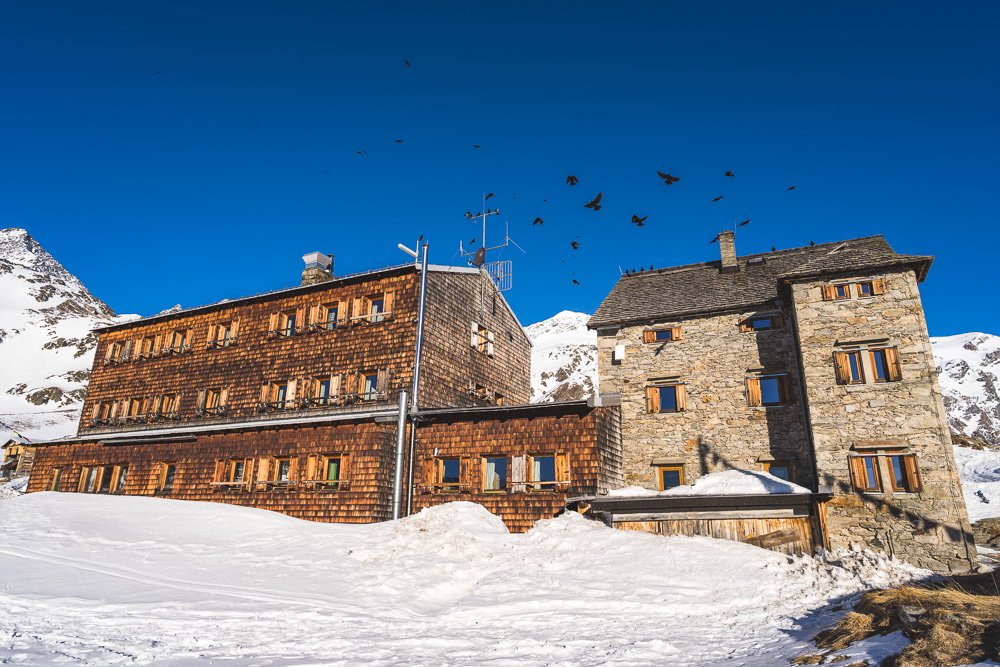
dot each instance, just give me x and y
(969, 366)
(563, 359)
(46, 344)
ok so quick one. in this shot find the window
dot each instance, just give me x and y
(369, 387)
(372, 308)
(278, 396)
(222, 334)
(779, 469)
(107, 473)
(88, 479)
(102, 414)
(865, 474)
(178, 342)
(331, 472)
(121, 473)
(169, 405)
(761, 323)
(863, 288)
(118, 352)
(666, 398)
(54, 477)
(543, 472)
(165, 478)
(842, 291)
(668, 477)
(768, 390)
(447, 475)
(284, 323)
(376, 308)
(495, 474)
(850, 367)
(322, 395)
(325, 472)
(237, 471)
(331, 316)
(482, 339)
(885, 365)
(213, 401)
(150, 345)
(904, 477)
(283, 470)
(661, 335)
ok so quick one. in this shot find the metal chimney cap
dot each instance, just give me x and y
(319, 259)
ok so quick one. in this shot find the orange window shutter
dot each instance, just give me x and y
(652, 399)
(110, 348)
(313, 315)
(358, 308)
(562, 468)
(234, 329)
(334, 386)
(220, 472)
(201, 399)
(843, 367)
(745, 326)
(211, 333)
(248, 473)
(311, 464)
(95, 411)
(342, 311)
(892, 364)
(829, 292)
(753, 392)
(345, 467)
(383, 381)
(224, 397)
(878, 287)
(681, 397)
(387, 300)
(858, 480)
(648, 336)
(263, 468)
(300, 318)
(293, 468)
(291, 391)
(912, 474)
(272, 322)
(676, 333)
(265, 393)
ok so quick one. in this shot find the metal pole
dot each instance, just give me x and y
(397, 482)
(415, 395)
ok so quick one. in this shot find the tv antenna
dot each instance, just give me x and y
(499, 271)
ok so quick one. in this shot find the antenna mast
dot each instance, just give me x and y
(499, 271)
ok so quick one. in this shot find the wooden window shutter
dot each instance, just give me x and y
(430, 471)
(753, 392)
(83, 479)
(263, 468)
(345, 467)
(383, 381)
(234, 329)
(676, 333)
(248, 473)
(489, 344)
(474, 340)
(892, 364)
(912, 474)
(157, 403)
(681, 397)
(342, 311)
(157, 343)
(745, 326)
(109, 350)
(201, 399)
(358, 309)
(292, 388)
(785, 387)
(272, 322)
(137, 346)
(220, 472)
(177, 402)
(293, 468)
(211, 333)
(562, 468)
(878, 287)
(829, 292)
(843, 367)
(223, 397)
(265, 393)
(313, 316)
(300, 318)
(387, 301)
(334, 386)
(652, 399)
(648, 336)
(517, 474)
(311, 465)
(349, 383)
(858, 478)
(95, 411)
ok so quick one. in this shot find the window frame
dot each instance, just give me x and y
(660, 469)
(55, 477)
(911, 478)
(166, 477)
(651, 336)
(753, 389)
(859, 473)
(785, 463)
(654, 397)
(505, 485)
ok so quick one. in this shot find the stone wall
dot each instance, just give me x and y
(930, 528)
(718, 430)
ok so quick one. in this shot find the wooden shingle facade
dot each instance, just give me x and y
(289, 401)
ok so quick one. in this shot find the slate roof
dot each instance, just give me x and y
(692, 289)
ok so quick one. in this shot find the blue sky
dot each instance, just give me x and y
(188, 152)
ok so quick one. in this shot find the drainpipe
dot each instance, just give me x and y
(415, 394)
(397, 482)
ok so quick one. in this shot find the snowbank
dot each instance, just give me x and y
(115, 580)
(13, 488)
(725, 483)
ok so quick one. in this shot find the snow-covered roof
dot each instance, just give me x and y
(725, 483)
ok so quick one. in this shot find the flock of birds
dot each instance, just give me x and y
(593, 204)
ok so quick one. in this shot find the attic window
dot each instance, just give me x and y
(754, 261)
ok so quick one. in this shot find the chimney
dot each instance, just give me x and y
(727, 246)
(319, 268)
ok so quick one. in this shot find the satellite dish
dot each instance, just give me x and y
(479, 258)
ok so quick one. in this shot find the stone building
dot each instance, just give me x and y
(812, 364)
(290, 401)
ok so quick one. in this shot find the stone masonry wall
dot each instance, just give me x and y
(929, 529)
(718, 430)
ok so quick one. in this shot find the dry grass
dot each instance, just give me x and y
(948, 625)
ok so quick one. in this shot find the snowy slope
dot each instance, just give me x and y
(105, 580)
(970, 380)
(563, 359)
(46, 345)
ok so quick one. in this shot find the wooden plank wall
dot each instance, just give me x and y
(450, 363)
(733, 529)
(574, 434)
(367, 499)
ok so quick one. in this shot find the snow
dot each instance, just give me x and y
(724, 483)
(970, 379)
(980, 474)
(105, 580)
(563, 358)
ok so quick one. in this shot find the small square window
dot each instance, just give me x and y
(668, 398)
(495, 474)
(865, 289)
(670, 477)
(761, 323)
(543, 472)
(770, 391)
(842, 291)
(779, 469)
(663, 335)
(283, 470)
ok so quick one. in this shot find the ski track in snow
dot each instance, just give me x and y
(119, 580)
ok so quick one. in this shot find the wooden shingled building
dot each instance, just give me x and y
(290, 401)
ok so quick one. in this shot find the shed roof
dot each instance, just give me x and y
(693, 289)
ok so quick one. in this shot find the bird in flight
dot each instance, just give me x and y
(476, 146)
(408, 63)
(719, 198)
(637, 221)
(812, 243)
(574, 245)
(595, 203)
(538, 221)
(730, 174)
(572, 180)
(575, 281)
(774, 249)
(667, 178)
(744, 223)
(791, 187)
(399, 141)
(715, 239)
(361, 152)
(488, 196)
(472, 241)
